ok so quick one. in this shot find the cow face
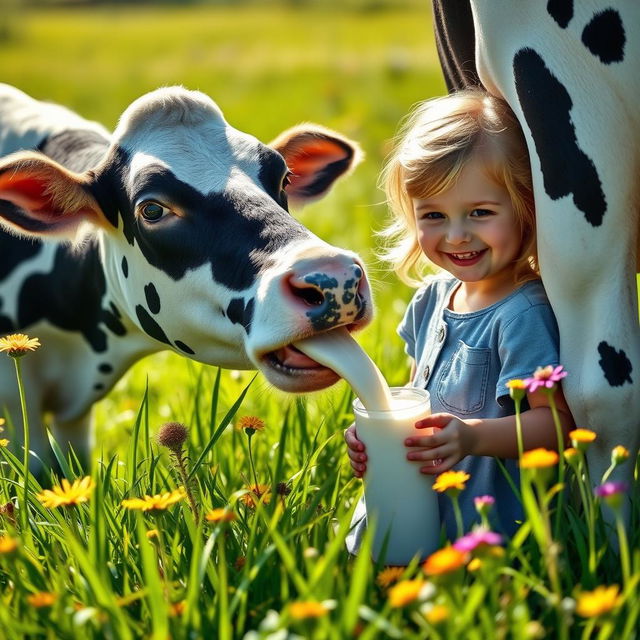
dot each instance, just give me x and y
(197, 245)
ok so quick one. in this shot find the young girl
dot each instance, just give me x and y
(459, 186)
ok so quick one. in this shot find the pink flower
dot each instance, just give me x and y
(545, 377)
(610, 489)
(481, 501)
(476, 538)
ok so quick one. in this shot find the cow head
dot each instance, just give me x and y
(197, 246)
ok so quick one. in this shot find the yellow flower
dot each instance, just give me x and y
(389, 575)
(538, 458)
(405, 592)
(451, 480)
(158, 502)
(3, 442)
(444, 561)
(8, 544)
(220, 515)
(257, 492)
(17, 344)
(436, 614)
(251, 424)
(41, 599)
(303, 609)
(619, 454)
(598, 602)
(177, 608)
(152, 534)
(516, 383)
(582, 438)
(68, 493)
(2, 421)
(571, 454)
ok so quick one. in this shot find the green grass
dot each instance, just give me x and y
(268, 68)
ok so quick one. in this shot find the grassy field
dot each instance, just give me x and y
(279, 569)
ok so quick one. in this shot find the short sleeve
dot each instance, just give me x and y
(527, 341)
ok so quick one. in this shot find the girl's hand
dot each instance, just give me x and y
(355, 451)
(448, 440)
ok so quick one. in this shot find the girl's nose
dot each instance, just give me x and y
(457, 234)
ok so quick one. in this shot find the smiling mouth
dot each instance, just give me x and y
(466, 257)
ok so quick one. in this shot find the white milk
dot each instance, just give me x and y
(338, 351)
(398, 496)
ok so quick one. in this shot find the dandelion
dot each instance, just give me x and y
(571, 455)
(445, 561)
(18, 344)
(250, 424)
(220, 515)
(389, 575)
(8, 545)
(598, 602)
(42, 599)
(2, 423)
(451, 481)
(3, 442)
(538, 459)
(582, 438)
(152, 534)
(159, 502)
(67, 494)
(545, 378)
(304, 609)
(477, 538)
(257, 492)
(405, 592)
(436, 614)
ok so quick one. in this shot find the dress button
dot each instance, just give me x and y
(441, 334)
(426, 372)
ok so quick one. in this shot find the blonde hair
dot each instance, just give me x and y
(435, 142)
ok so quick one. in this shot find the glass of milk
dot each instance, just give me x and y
(398, 497)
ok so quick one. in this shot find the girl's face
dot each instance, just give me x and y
(470, 230)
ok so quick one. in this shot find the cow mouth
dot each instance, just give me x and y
(291, 370)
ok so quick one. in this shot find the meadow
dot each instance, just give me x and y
(270, 561)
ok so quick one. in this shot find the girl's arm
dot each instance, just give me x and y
(455, 439)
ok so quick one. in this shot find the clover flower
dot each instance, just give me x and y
(445, 561)
(67, 494)
(17, 344)
(477, 538)
(611, 492)
(598, 602)
(545, 378)
(159, 502)
(405, 592)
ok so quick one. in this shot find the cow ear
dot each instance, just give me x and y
(39, 197)
(316, 157)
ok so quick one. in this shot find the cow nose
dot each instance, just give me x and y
(330, 295)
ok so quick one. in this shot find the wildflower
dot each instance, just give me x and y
(2, 422)
(152, 534)
(436, 614)
(405, 592)
(477, 538)
(3, 442)
(250, 424)
(259, 492)
(239, 563)
(571, 455)
(303, 609)
(451, 480)
(484, 504)
(517, 389)
(582, 438)
(41, 599)
(474, 565)
(67, 494)
(310, 553)
(611, 492)
(389, 575)
(177, 608)
(538, 458)
(444, 561)
(158, 502)
(17, 344)
(598, 602)
(545, 378)
(8, 545)
(618, 455)
(172, 435)
(220, 515)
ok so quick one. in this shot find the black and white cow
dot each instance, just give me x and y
(172, 233)
(569, 70)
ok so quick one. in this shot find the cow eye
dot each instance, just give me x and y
(152, 211)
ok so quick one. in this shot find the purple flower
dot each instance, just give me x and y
(476, 538)
(545, 377)
(481, 501)
(610, 489)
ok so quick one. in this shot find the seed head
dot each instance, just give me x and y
(172, 435)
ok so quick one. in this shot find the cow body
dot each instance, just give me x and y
(569, 71)
(172, 233)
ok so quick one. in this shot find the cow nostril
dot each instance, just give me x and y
(309, 295)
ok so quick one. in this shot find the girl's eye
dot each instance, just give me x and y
(481, 213)
(431, 215)
(152, 211)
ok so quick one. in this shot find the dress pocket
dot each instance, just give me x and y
(462, 386)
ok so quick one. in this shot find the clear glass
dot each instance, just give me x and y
(399, 499)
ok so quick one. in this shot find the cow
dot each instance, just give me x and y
(569, 72)
(171, 233)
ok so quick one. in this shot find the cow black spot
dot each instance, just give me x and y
(184, 347)
(113, 323)
(115, 310)
(240, 313)
(105, 367)
(615, 365)
(327, 315)
(125, 267)
(561, 11)
(604, 36)
(150, 326)
(153, 299)
(14, 251)
(566, 169)
(98, 386)
(322, 281)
